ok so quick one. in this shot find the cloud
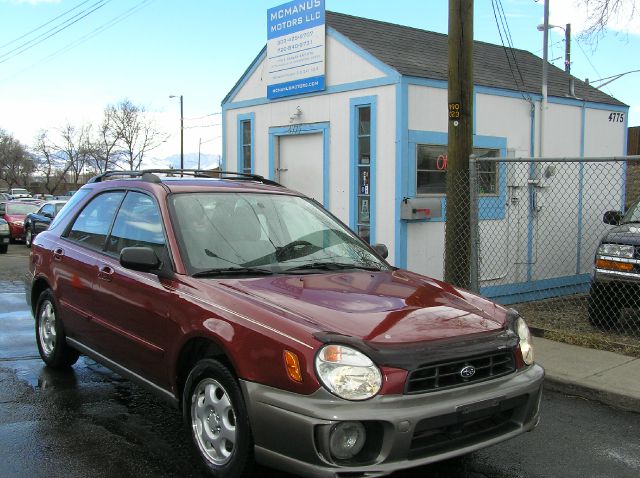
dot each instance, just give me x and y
(574, 12)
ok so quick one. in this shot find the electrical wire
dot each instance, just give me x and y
(52, 31)
(111, 23)
(202, 117)
(502, 24)
(43, 25)
(202, 126)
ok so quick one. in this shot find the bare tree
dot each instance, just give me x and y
(137, 133)
(105, 153)
(74, 149)
(601, 13)
(16, 165)
(48, 162)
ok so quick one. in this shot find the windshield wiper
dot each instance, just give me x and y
(232, 271)
(332, 266)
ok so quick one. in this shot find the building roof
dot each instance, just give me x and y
(424, 54)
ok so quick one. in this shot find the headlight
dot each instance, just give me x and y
(616, 250)
(17, 223)
(526, 347)
(347, 373)
(4, 227)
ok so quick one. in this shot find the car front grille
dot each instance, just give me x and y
(440, 376)
(456, 430)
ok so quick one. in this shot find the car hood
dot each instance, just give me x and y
(624, 234)
(388, 307)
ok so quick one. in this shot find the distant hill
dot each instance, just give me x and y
(207, 161)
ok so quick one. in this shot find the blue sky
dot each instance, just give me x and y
(146, 50)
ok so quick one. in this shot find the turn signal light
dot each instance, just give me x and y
(614, 265)
(292, 365)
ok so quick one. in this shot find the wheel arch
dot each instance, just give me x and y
(193, 350)
(39, 286)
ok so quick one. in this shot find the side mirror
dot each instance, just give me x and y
(142, 259)
(612, 217)
(381, 249)
(48, 214)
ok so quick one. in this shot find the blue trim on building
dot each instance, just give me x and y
(251, 118)
(414, 80)
(223, 156)
(402, 153)
(364, 54)
(590, 104)
(537, 290)
(490, 207)
(625, 164)
(245, 76)
(308, 128)
(354, 104)
(356, 85)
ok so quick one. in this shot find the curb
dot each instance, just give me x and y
(573, 387)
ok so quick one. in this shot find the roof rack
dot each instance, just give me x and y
(150, 175)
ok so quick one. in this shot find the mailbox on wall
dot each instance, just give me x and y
(420, 208)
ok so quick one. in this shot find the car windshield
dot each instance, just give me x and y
(264, 232)
(19, 191)
(21, 209)
(633, 214)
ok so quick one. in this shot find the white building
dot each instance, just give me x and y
(377, 133)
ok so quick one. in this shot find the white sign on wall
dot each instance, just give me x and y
(295, 48)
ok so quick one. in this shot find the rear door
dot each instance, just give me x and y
(74, 264)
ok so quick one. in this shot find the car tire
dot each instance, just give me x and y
(603, 307)
(50, 336)
(4, 248)
(217, 419)
(28, 237)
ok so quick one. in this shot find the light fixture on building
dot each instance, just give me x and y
(296, 115)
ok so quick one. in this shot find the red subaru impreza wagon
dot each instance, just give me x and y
(282, 336)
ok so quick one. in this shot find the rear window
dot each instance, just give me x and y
(21, 209)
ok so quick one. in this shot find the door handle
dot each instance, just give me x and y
(105, 273)
(58, 254)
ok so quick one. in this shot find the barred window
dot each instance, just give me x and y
(431, 164)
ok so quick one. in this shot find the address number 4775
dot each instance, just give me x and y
(616, 117)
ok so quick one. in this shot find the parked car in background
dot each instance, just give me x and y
(39, 221)
(14, 212)
(5, 196)
(5, 236)
(17, 193)
(279, 332)
(615, 282)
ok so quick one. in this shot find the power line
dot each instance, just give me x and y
(502, 24)
(202, 126)
(55, 30)
(205, 116)
(43, 25)
(111, 23)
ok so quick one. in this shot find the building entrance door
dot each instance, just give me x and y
(300, 159)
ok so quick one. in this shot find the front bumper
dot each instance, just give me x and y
(4, 239)
(290, 430)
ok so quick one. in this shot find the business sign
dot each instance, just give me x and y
(295, 48)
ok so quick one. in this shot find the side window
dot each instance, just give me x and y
(138, 223)
(92, 224)
(47, 209)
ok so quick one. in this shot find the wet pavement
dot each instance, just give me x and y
(91, 422)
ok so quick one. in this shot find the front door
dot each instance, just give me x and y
(301, 164)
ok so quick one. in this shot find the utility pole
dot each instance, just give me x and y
(199, 144)
(567, 48)
(545, 69)
(457, 233)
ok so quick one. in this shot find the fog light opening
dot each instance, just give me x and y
(347, 440)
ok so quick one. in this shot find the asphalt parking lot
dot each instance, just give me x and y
(90, 421)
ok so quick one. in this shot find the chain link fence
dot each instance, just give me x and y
(551, 238)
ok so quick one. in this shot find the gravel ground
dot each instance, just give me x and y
(565, 320)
